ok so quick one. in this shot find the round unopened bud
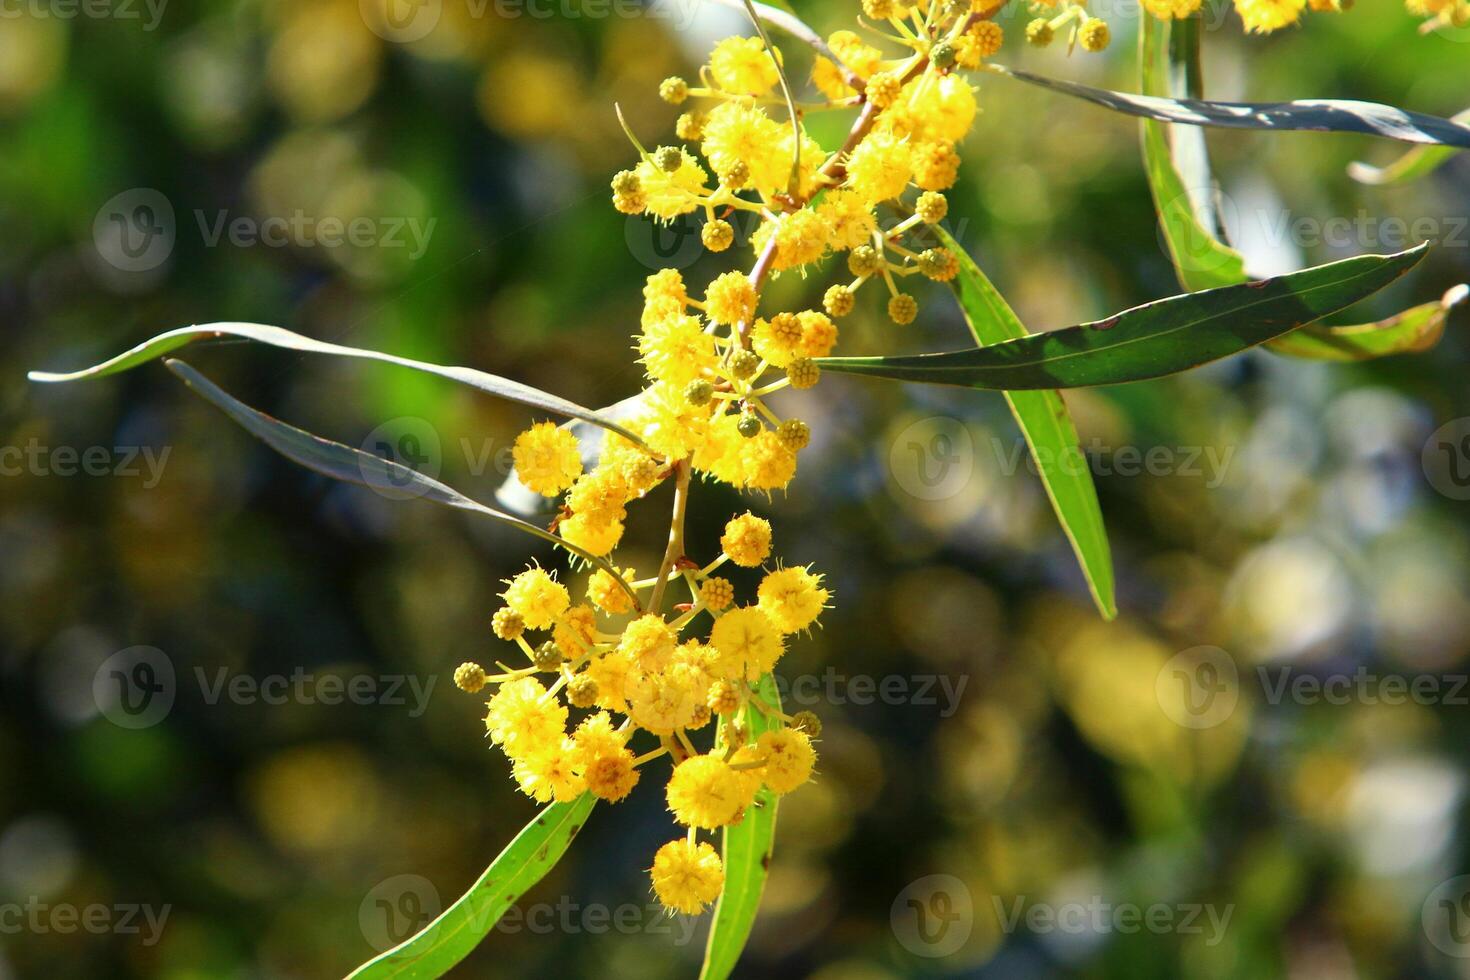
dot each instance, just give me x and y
(716, 592)
(794, 434)
(803, 373)
(931, 207)
(717, 235)
(863, 261)
(879, 9)
(883, 88)
(723, 697)
(737, 176)
(744, 363)
(668, 158)
(699, 392)
(942, 54)
(673, 90)
(582, 691)
(547, 656)
(626, 182)
(808, 722)
(938, 264)
(508, 624)
(690, 126)
(630, 203)
(700, 716)
(469, 677)
(749, 425)
(1039, 32)
(838, 300)
(902, 308)
(1094, 35)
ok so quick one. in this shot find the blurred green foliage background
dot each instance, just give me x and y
(1291, 523)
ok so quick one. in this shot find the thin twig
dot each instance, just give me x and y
(676, 534)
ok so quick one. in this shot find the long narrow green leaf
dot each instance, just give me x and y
(1412, 331)
(1190, 225)
(1421, 161)
(280, 337)
(748, 848)
(1159, 338)
(1187, 220)
(1048, 430)
(350, 465)
(451, 937)
(1309, 115)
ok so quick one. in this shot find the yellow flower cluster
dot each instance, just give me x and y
(1265, 16)
(624, 662)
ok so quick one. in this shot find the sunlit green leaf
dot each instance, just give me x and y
(1050, 435)
(280, 337)
(1159, 338)
(747, 855)
(451, 937)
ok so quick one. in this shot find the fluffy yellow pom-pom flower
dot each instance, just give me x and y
(880, 167)
(538, 597)
(547, 774)
(547, 458)
(606, 594)
(748, 642)
(792, 597)
(648, 642)
(789, 759)
(730, 298)
(522, 719)
(743, 65)
(675, 349)
(747, 540)
(687, 876)
(705, 792)
(1265, 16)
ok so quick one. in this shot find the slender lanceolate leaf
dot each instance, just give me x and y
(1421, 161)
(451, 937)
(350, 465)
(1159, 338)
(747, 855)
(1047, 428)
(1188, 219)
(1410, 332)
(1183, 188)
(1314, 115)
(280, 337)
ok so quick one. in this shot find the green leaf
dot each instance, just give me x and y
(1187, 217)
(1150, 341)
(1412, 331)
(747, 855)
(1311, 115)
(350, 465)
(451, 937)
(1419, 162)
(1047, 428)
(280, 337)
(1189, 221)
